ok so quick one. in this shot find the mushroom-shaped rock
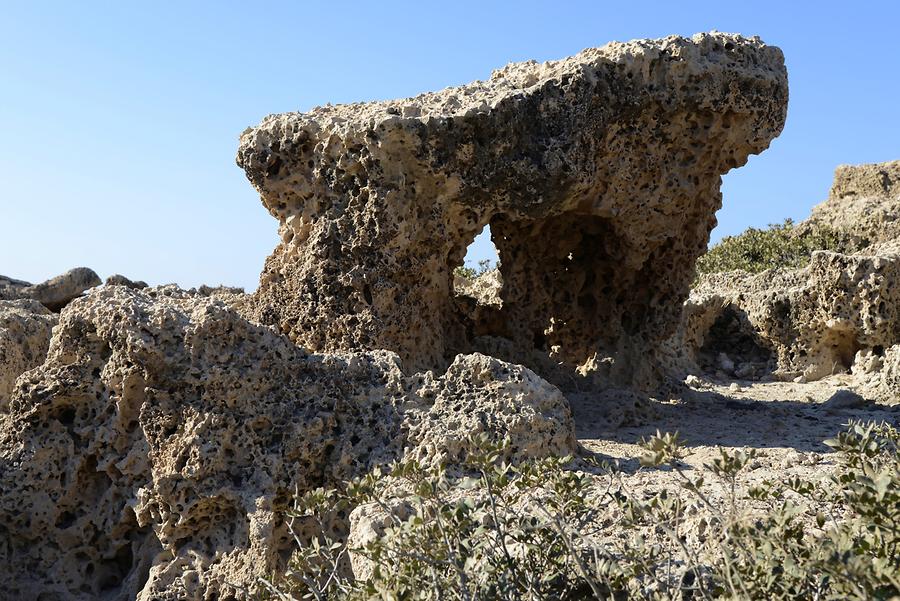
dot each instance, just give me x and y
(598, 174)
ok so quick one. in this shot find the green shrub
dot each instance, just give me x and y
(781, 245)
(470, 273)
(534, 531)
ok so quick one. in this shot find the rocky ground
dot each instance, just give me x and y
(785, 423)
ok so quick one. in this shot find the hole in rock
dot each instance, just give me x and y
(566, 291)
(732, 347)
(842, 345)
(475, 276)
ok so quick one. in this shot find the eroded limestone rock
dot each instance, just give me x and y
(813, 320)
(25, 327)
(153, 453)
(864, 200)
(838, 315)
(598, 174)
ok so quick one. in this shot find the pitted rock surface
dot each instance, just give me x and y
(153, 453)
(839, 314)
(865, 201)
(598, 174)
(25, 327)
(481, 394)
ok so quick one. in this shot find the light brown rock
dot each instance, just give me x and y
(838, 315)
(25, 327)
(864, 200)
(598, 174)
(155, 451)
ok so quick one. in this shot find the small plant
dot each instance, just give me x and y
(780, 245)
(470, 273)
(542, 530)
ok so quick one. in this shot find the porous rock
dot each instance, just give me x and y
(812, 320)
(599, 176)
(480, 394)
(153, 453)
(25, 327)
(838, 315)
(864, 201)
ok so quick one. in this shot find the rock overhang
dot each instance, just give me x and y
(599, 175)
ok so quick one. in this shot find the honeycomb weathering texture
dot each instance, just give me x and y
(155, 451)
(840, 314)
(598, 174)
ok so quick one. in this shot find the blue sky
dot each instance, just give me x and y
(120, 120)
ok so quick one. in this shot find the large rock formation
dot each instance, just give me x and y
(154, 452)
(151, 449)
(864, 200)
(839, 314)
(599, 176)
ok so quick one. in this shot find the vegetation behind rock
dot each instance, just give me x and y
(783, 245)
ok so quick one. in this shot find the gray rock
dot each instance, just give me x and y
(121, 280)
(843, 399)
(58, 292)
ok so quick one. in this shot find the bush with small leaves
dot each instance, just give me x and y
(470, 273)
(541, 530)
(778, 246)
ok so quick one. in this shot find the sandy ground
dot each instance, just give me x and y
(783, 422)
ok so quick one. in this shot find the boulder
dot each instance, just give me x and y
(121, 280)
(598, 175)
(155, 451)
(56, 292)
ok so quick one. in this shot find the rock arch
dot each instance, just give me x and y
(599, 175)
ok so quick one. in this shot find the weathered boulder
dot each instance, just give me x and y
(56, 292)
(153, 453)
(598, 174)
(121, 280)
(481, 394)
(25, 327)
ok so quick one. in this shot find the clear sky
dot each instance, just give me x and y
(120, 120)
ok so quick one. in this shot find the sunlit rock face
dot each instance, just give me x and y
(152, 439)
(838, 315)
(154, 452)
(598, 174)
